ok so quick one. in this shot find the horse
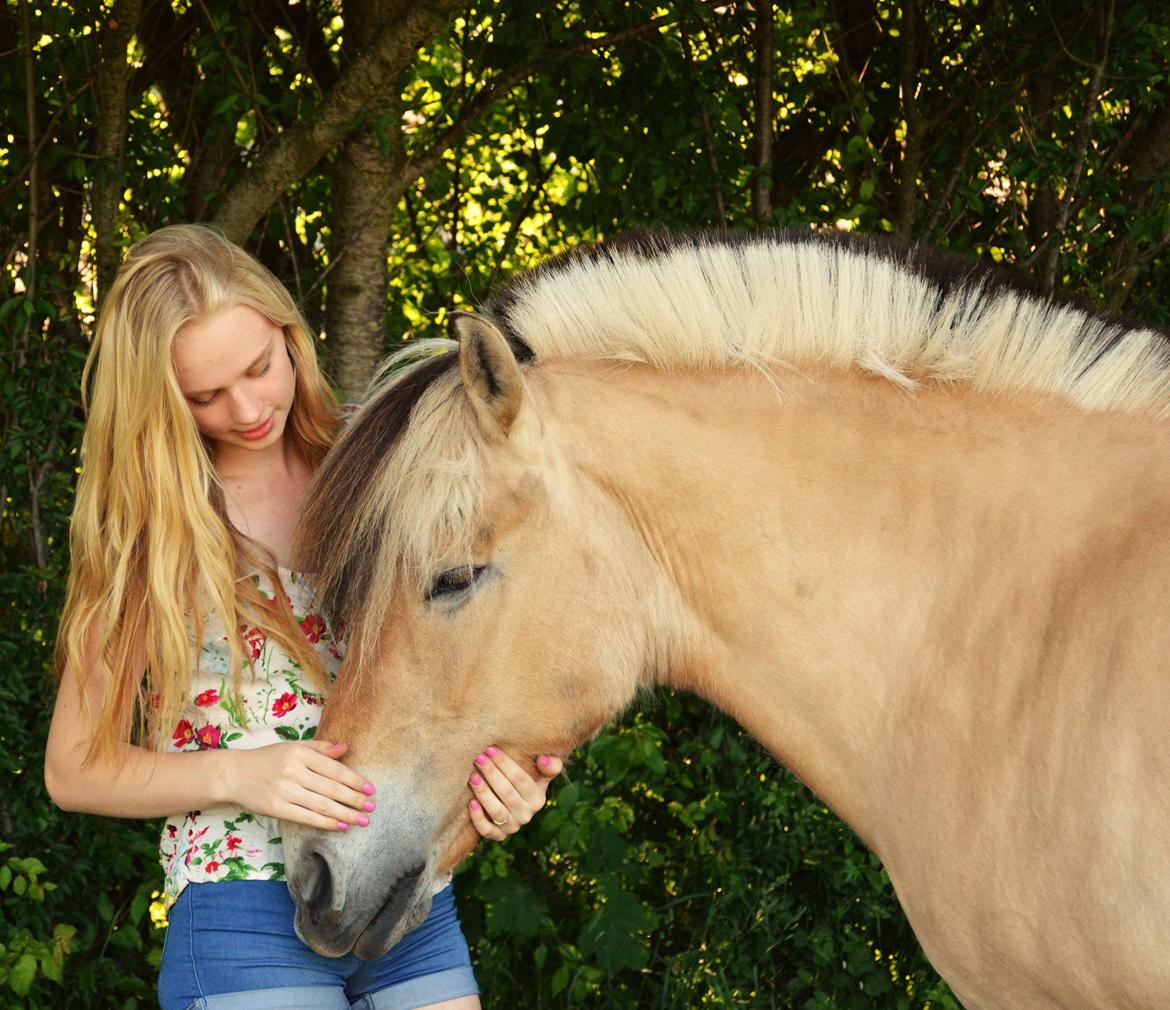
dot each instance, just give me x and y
(902, 518)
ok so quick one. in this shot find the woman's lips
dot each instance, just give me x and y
(258, 432)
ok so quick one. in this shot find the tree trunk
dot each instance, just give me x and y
(366, 190)
(113, 78)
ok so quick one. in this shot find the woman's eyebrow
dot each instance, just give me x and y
(204, 392)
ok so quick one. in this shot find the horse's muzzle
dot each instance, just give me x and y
(333, 921)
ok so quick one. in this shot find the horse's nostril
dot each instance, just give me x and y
(318, 887)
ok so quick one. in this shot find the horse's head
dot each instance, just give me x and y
(448, 524)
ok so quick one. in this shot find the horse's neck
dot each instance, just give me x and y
(830, 538)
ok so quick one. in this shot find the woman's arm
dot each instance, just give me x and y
(303, 782)
(296, 781)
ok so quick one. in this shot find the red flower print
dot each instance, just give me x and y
(172, 831)
(211, 866)
(183, 734)
(310, 699)
(284, 704)
(208, 697)
(313, 626)
(208, 737)
(253, 640)
(233, 842)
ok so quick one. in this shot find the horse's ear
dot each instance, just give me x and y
(491, 374)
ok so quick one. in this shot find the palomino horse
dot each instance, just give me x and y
(906, 523)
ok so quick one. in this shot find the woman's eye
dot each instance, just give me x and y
(455, 581)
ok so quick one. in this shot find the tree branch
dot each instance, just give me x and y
(295, 151)
(1048, 255)
(913, 29)
(765, 61)
(30, 108)
(421, 163)
(45, 137)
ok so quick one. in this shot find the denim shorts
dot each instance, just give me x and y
(231, 946)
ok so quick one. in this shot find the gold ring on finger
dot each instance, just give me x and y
(507, 817)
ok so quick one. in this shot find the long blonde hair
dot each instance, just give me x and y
(152, 550)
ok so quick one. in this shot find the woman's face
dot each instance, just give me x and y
(234, 369)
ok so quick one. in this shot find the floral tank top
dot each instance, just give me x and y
(225, 843)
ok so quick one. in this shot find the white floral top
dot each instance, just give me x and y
(225, 843)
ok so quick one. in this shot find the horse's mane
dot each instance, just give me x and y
(697, 301)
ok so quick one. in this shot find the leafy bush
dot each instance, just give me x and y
(680, 866)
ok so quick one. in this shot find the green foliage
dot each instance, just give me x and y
(679, 866)
(23, 954)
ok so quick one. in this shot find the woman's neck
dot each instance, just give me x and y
(263, 491)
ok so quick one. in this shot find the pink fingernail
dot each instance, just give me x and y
(342, 826)
(474, 805)
(492, 752)
(369, 807)
(362, 819)
(481, 760)
(545, 760)
(368, 789)
(476, 780)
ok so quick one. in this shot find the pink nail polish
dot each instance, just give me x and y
(369, 807)
(362, 819)
(342, 826)
(476, 780)
(481, 760)
(474, 805)
(368, 789)
(492, 752)
(545, 760)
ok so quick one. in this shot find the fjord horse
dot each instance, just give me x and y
(907, 524)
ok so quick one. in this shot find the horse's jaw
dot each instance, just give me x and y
(364, 889)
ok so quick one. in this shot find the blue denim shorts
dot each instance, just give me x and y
(231, 946)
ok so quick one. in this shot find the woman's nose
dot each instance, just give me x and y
(246, 408)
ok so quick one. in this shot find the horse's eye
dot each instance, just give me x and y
(455, 581)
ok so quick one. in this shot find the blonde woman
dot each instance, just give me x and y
(193, 661)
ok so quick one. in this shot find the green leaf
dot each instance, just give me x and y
(20, 978)
(51, 969)
(126, 938)
(612, 935)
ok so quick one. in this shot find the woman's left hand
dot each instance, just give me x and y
(506, 796)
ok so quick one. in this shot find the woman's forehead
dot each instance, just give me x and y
(215, 351)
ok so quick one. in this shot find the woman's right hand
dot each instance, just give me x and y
(300, 781)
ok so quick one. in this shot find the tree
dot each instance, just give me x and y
(391, 161)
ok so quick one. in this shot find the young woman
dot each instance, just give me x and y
(193, 662)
